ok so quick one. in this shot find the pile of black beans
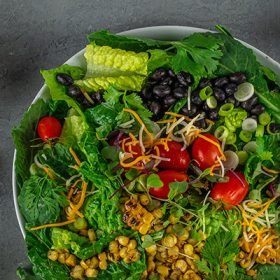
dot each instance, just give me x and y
(76, 93)
(223, 90)
(163, 89)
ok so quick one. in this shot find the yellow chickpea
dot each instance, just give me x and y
(169, 241)
(173, 253)
(173, 220)
(91, 273)
(181, 265)
(114, 246)
(94, 262)
(188, 249)
(91, 235)
(77, 272)
(132, 244)
(144, 199)
(71, 261)
(163, 270)
(152, 250)
(52, 255)
(123, 240)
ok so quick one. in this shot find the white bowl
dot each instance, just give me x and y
(155, 32)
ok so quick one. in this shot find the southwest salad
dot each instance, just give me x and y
(157, 160)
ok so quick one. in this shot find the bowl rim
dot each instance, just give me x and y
(148, 31)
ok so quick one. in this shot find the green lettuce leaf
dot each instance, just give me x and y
(39, 200)
(23, 134)
(128, 43)
(125, 70)
(57, 90)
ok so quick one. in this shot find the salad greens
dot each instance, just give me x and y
(103, 168)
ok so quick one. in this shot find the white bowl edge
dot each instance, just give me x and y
(172, 32)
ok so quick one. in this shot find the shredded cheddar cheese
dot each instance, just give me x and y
(54, 225)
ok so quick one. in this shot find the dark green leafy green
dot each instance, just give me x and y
(39, 200)
(219, 250)
(23, 134)
(129, 43)
(65, 239)
(158, 58)
(57, 90)
(58, 109)
(58, 159)
(25, 274)
(268, 272)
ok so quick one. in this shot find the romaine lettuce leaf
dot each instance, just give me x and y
(125, 70)
(23, 134)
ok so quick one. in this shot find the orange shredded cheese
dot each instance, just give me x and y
(74, 156)
(135, 161)
(214, 143)
(46, 169)
(270, 170)
(178, 115)
(136, 116)
(166, 121)
(72, 188)
(54, 225)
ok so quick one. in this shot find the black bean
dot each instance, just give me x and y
(219, 94)
(155, 108)
(205, 107)
(195, 98)
(184, 78)
(190, 113)
(237, 77)
(167, 81)
(248, 104)
(146, 93)
(98, 96)
(74, 91)
(201, 123)
(257, 110)
(179, 92)
(221, 82)
(230, 99)
(171, 73)
(158, 74)
(230, 89)
(169, 100)
(204, 83)
(161, 90)
(64, 79)
(213, 114)
(87, 104)
(274, 127)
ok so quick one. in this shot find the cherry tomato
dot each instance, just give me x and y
(204, 152)
(233, 191)
(167, 176)
(179, 160)
(135, 149)
(48, 128)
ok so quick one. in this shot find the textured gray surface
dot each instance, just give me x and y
(43, 34)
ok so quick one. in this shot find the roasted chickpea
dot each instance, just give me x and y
(181, 265)
(151, 250)
(93, 262)
(169, 229)
(151, 265)
(62, 258)
(173, 253)
(175, 274)
(91, 273)
(103, 264)
(123, 252)
(169, 241)
(52, 255)
(134, 255)
(163, 270)
(188, 249)
(91, 235)
(83, 264)
(71, 260)
(184, 236)
(77, 272)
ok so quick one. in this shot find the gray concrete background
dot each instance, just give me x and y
(43, 34)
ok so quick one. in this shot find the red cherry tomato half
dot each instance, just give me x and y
(135, 149)
(233, 191)
(167, 176)
(204, 152)
(48, 128)
(179, 160)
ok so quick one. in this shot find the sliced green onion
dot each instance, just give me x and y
(249, 124)
(231, 161)
(243, 156)
(245, 135)
(250, 147)
(259, 130)
(221, 133)
(244, 92)
(268, 129)
(33, 169)
(226, 109)
(211, 102)
(231, 139)
(264, 118)
(205, 93)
